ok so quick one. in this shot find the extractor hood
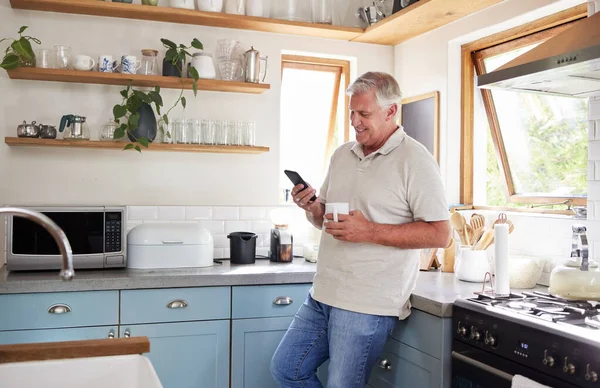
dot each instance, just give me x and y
(567, 64)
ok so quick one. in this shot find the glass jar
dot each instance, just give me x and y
(149, 62)
(107, 130)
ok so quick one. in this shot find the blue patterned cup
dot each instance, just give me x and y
(105, 64)
(129, 64)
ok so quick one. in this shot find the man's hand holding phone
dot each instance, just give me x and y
(303, 197)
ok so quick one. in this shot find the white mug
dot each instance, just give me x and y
(83, 62)
(105, 63)
(336, 208)
(470, 265)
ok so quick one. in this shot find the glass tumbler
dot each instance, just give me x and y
(221, 132)
(208, 132)
(195, 126)
(181, 132)
(43, 58)
(321, 11)
(62, 57)
(248, 131)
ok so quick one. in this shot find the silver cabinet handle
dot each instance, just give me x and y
(111, 333)
(59, 308)
(283, 301)
(172, 242)
(385, 364)
(177, 304)
(127, 334)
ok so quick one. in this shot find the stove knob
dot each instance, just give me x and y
(548, 360)
(475, 334)
(591, 375)
(461, 330)
(568, 367)
(490, 339)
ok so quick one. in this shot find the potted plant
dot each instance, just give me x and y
(19, 53)
(176, 58)
(136, 117)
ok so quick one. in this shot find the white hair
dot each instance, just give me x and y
(387, 90)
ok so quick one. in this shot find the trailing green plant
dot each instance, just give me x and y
(19, 52)
(127, 113)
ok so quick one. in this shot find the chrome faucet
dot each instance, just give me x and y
(57, 233)
(580, 250)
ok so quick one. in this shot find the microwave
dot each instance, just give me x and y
(96, 234)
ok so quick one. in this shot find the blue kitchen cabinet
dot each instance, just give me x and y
(253, 342)
(418, 354)
(56, 335)
(187, 354)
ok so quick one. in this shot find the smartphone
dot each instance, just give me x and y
(297, 180)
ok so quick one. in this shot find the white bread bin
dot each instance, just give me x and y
(174, 245)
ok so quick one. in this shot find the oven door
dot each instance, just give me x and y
(475, 368)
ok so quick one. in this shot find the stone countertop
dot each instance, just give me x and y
(435, 292)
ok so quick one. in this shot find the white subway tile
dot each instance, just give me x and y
(298, 250)
(229, 213)
(198, 213)
(132, 224)
(171, 212)
(592, 130)
(214, 226)
(264, 240)
(218, 253)
(591, 170)
(142, 212)
(594, 150)
(220, 240)
(226, 253)
(237, 226)
(261, 226)
(591, 210)
(262, 251)
(596, 170)
(253, 213)
(156, 222)
(597, 129)
(594, 190)
(594, 110)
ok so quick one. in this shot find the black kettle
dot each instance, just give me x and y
(242, 246)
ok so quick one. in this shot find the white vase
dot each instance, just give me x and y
(210, 5)
(186, 4)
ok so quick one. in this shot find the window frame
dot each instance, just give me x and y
(472, 56)
(339, 66)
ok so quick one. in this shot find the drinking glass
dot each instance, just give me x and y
(221, 132)
(196, 131)
(249, 133)
(208, 132)
(181, 131)
(62, 57)
(43, 58)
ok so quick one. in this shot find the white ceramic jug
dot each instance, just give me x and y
(204, 65)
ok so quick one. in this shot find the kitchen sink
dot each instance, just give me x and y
(129, 371)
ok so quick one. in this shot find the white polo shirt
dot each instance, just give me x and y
(397, 184)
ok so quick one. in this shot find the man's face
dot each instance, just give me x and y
(369, 120)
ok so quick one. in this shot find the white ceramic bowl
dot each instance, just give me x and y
(524, 271)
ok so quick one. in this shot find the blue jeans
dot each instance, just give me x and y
(352, 342)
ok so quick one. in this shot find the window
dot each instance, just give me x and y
(526, 149)
(314, 116)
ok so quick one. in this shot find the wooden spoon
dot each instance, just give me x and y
(485, 241)
(458, 222)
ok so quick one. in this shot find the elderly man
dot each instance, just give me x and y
(368, 260)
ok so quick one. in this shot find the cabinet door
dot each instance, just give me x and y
(56, 335)
(403, 366)
(253, 343)
(187, 354)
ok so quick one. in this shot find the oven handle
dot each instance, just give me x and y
(481, 365)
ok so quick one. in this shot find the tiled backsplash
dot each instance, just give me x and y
(222, 220)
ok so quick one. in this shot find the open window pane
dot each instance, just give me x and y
(545, 140)
(306, 103)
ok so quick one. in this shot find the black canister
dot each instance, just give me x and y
(242, 246)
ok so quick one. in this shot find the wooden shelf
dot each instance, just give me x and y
(184, 16)
(110, 145)
(419, 18)
(95, 77)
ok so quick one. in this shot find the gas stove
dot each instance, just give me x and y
(553, 341)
